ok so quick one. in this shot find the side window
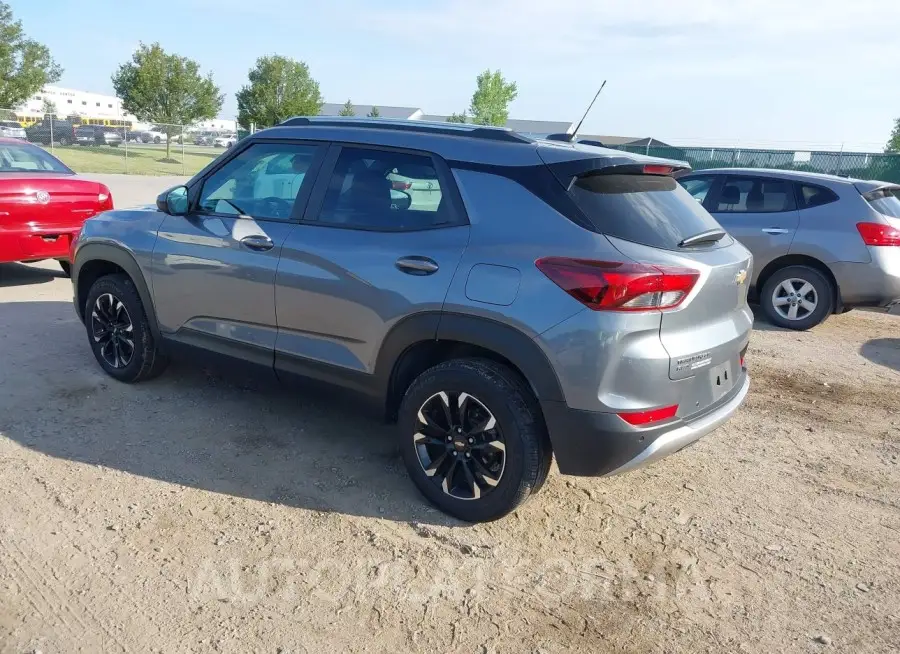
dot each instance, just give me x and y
(385, 190)
(262, 181)
(698, 187)
(815, 196)
(754, 195)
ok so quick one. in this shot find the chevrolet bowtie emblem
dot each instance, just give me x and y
(740, 278)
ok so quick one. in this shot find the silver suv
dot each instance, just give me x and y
(822, 244)
(554, 299)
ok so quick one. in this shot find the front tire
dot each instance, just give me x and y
(797, 297)
(119, 332)
(473, 439)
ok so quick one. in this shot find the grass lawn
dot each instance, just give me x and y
(140, 160)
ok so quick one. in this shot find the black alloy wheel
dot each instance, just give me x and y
(460, 445)
(112, 330)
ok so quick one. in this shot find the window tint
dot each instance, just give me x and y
(885, 201)
(698, 187)
(755, 195)
(382, 190)
(652, 210)
(262, 181)
(815, 196)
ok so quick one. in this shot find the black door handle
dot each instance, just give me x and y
(416, 265)
(257, 242)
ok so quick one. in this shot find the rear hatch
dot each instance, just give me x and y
(651, 219)
(884, 198)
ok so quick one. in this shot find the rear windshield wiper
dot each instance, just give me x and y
(703, 238)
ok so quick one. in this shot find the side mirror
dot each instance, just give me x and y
(174, 201)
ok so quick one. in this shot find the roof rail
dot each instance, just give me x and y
(448, 129)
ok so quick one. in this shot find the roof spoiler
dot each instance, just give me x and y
(566, 172)
(865, 187)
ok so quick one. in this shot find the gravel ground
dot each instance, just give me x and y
(201, 513)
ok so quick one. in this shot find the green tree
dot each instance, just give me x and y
(166, 89)
(279, 88)
(490, 102)
(457, 118)
(25, 64)
(48, 106)
(893, 144)
(347, 110)
(374, 113)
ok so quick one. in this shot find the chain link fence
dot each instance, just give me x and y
(94, 145)
(90, 145)
(862, 165)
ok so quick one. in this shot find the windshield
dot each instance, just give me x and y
(651, 210)
(885, 201)
(23, 158)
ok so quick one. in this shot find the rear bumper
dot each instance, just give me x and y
(870, 284)
(595, 444)
(43, 243)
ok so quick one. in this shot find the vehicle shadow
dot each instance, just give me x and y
(761, 323)
(17, 274)
(883, 351)
(311, 448)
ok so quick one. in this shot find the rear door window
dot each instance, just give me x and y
(885, 201)
(754, 195)
(652, 210)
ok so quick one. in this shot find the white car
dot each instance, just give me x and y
(225, 140)
(151, 136)
(12, 130)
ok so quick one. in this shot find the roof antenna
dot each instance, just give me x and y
(571, 137)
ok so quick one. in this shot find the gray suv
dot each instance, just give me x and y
(822, 244)
(547, 298)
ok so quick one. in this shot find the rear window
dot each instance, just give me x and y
(16, 158)
(815, 196)
(651, 210)
(885, 201)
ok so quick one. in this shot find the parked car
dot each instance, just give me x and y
(557, 298)
(205, 138)
(97, 135)
(150, 136)
(10, 129)
(61, 131)
(822, 244)
(42, 203)
(225, 140)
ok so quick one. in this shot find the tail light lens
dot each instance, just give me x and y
(105, 199)
(401, 186)
(616, 286)
(643, 418)
(878, 234)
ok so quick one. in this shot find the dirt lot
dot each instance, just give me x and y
(198, 513)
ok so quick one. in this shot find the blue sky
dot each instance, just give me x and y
(764, 72)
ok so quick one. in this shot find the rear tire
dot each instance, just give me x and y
(797, 297)
(63, 141)
(113, 303)
(473, 439)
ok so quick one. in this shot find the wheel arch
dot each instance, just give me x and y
(799, 260)
(96, 260)
(422, 341)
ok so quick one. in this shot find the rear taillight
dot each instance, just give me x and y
(878, 234)
(616, 286)
(105, 199)
(401, 186)
(643, 418)
(654, 169)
